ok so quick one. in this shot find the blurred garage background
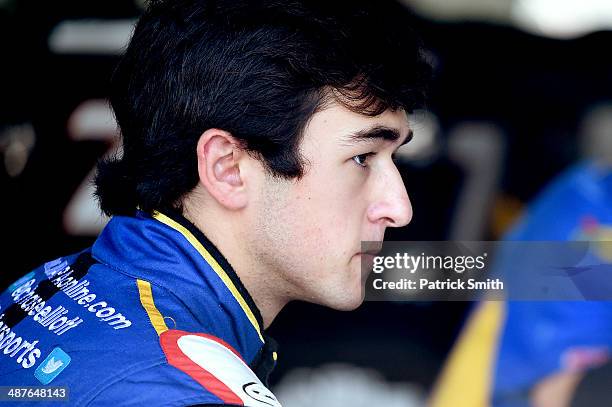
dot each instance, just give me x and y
(522, 91)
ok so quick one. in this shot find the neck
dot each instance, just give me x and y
(268, 303)
(253, 276)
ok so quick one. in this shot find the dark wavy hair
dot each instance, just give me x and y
(257, 69)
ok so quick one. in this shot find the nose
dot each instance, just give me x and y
(392, 205)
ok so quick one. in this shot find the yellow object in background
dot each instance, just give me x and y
(466, 380)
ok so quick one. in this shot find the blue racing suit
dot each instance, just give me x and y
(151, 314)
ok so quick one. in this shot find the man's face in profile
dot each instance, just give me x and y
(309, 230)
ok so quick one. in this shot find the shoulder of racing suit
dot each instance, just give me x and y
(152, 313)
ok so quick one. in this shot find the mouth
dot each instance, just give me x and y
(372, 248)
(366, 258)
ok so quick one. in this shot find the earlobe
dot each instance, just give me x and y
(219, 157)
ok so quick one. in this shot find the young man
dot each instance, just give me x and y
(257, 155)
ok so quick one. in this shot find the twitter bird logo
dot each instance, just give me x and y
(52, 366)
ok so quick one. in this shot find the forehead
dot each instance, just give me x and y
(336, 123)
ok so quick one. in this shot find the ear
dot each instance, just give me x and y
(219, 156)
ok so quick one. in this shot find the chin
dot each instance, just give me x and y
(346, 301)
(343, 290)
(349, 306)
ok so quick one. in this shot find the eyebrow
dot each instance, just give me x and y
(378, 133)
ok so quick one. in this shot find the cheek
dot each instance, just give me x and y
(329, 229)
(322, 214)
(336, 195)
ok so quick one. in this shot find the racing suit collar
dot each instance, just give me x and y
(265, 360)
(216, 254)
(170, 253)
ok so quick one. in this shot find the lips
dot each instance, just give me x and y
(371, 247)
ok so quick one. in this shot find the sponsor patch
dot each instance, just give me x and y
(217, 367)
(31, 299)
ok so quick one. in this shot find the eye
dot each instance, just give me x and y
(361, 159)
